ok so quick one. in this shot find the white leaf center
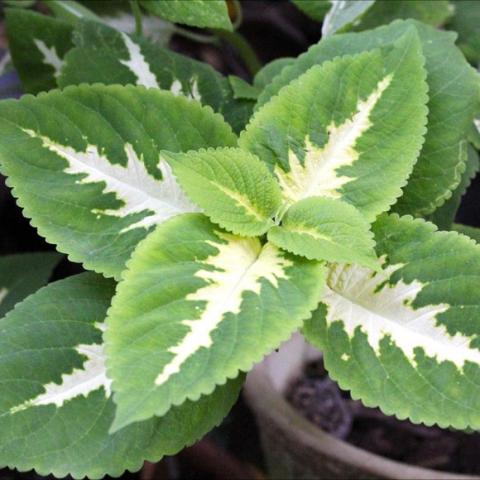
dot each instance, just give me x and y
(317, 176)
(239, 266)
(363, 300)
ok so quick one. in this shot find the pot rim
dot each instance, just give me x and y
(268, 402)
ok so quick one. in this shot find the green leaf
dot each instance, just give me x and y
(105, 55)
(85, 165)
(444, 216)
(269, 71)
(315, 9)
(232, 186)
(242, 89)
(343, 14)
(472, 232)
(357, 137)
(407, 339)
(56, 407)
(326, 229)
(37, 44)
(196, 13)
(196, 306)
(23, 274)
(453, 91)
(71, 11)
(433, 12)
(466, 21)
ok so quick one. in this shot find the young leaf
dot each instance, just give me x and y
(56, 405)
(23, 274)
(452, 104)
(326, 229)
(407, 339)
(444, 216)
(196, 13)
(232, 186)
(357, 137)
(242, 89)
(37, 44)
(196, 306)
(104, 55)
(85, 165)
(343, 14)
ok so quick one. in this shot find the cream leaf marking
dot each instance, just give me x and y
(138, 65)
(317, 175)
(177, 89)
(132, 184)
(3, 294)
(361, 299)
(83, 381)
(223, 294)
(50, 56)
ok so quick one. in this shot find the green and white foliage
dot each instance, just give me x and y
(444, 216)
(85, 165)
(326, 229)
(195, 306)
(196, 13)
(232, 186)
(37, 45)
(344, 13)
(407, 339)
(23, 274)
(56, 406)
(104, 55)
(453, 89)
(364, 128)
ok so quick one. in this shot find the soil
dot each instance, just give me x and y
(321, 401)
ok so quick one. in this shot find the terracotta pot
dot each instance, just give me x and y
(295, 448)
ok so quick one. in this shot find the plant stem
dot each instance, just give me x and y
(243, 48)
(137, 13)
(196, 37)
(238, 14)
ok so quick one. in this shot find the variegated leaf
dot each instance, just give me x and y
(361, 130)
(326, 229)
(85, 165)
(56, 406)
(407, 339)
(344, 13)
(196, 306)
(453, 89)
(232, 186)
(104, 55)
(23, 274)
(37, 44)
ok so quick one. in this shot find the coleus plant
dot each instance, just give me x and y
(207, 250)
